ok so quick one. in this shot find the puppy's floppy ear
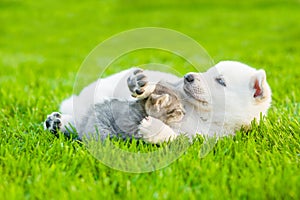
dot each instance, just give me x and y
(256, 83)
(160, 100)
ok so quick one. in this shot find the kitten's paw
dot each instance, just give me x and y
(139, 85)
(53, 122)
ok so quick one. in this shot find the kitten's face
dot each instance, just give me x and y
(165, 107)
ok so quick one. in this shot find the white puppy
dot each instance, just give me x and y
(217, 102)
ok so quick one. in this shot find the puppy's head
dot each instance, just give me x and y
(165, 105)
(237, 90)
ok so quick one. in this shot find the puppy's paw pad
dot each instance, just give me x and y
(137, 83)
(53, 122)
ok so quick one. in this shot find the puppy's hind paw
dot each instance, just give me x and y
(53, 122)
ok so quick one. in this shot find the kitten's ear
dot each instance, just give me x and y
(160, 100)
(256, 83)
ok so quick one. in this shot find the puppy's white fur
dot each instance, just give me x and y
(211, 108)
(226, 109)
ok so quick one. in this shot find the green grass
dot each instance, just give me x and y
(42, 45)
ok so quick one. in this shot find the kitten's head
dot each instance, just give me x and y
(165, 105)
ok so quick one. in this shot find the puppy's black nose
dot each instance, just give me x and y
(189, 78)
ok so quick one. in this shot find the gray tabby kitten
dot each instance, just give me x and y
(121, 118)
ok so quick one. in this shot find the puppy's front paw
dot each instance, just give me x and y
(53, 122)
(139, 85)
(146, 122)
(151, 129)
(154, 131)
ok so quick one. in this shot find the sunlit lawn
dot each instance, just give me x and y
(42, 46)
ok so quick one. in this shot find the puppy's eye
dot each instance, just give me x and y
(221, 81)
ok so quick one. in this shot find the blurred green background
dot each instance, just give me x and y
(42, 45)
(37, 36)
